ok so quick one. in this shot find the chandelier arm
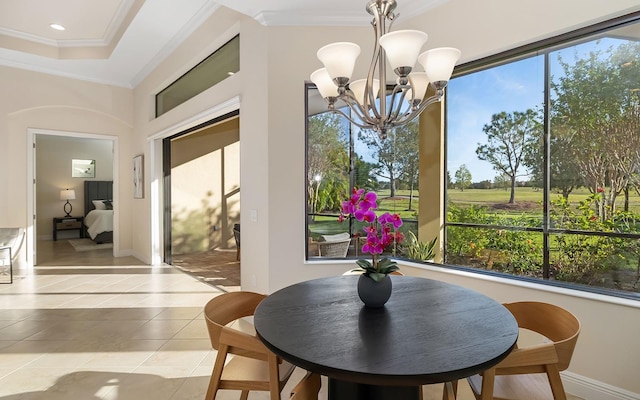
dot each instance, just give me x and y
(382, 71)
(349, 118)
(369, 95)
(356, 107)
(426, 103)
(394, 110)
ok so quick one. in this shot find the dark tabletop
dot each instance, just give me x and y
(428, 332)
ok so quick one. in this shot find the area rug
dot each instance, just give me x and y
(88, 245)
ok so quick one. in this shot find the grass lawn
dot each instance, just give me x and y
(529, 198)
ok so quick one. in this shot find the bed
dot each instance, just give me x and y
(98, 211)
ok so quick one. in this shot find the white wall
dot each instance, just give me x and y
(39, 101)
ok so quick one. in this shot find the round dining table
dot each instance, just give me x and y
(428, 332)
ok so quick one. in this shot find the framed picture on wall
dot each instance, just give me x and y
(138, 177)
(83, 168)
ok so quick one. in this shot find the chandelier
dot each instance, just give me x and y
(402, 49)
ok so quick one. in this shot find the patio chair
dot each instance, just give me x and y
(334, 249)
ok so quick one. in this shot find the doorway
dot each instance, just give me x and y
(201, 181)
(52, 172)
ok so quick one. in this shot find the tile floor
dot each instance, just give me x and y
(113, 333)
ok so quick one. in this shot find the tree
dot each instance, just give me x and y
(396, 155)
(463, 177)
(327, 159)
(564, 176)
(364, 175)
(502, 181)
(408, 156)
(595, 111)
(449, 180)
(507, 137)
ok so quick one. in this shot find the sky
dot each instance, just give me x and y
(473, 99)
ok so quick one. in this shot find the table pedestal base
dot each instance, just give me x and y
(341, 390)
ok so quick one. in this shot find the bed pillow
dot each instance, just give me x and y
(99, 204)
(107, 204)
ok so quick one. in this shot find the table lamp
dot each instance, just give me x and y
(67, 194)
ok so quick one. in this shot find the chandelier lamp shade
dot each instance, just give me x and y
(367, 98)
(67, 194)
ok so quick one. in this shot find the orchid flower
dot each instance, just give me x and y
(381, 231)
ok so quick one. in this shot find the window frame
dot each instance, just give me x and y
(543, 47)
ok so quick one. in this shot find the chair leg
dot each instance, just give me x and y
(214, 382)
(450, 391)
(244, 395)
(556, 382)
(488, 378)
(237, 253)
(274, 377)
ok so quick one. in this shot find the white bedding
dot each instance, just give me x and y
(98, 221)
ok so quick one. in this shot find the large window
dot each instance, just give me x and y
(542, 165)
(341, 157)
(543, 162)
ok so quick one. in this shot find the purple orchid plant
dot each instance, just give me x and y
(382, 231)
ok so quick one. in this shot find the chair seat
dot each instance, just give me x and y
(516, 387)
(242, 369)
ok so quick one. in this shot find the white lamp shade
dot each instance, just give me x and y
(419, 83)
(357, 87)
(68, 194)
(339, 58)
(438, 63)
(402, 47)
(323, 82)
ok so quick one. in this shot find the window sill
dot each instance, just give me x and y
(551, 288)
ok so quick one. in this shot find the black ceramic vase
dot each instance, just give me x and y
(374, 294)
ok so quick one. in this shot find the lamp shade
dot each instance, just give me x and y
(419, 83)
(67, 194)
(438, 63)
(323, 82)
(357, 87)
(402, 47)
(339, 58)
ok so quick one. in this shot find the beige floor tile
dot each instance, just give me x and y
(160, 329)
(29, 380)
(180, 313)
(196, 329)
(18, 360)
(179, 353)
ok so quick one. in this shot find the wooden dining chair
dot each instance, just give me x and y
(531, 372)
(253, 366)
(308, 388)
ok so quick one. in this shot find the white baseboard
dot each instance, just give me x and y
(591, 389)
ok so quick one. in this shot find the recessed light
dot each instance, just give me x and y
(57, 27)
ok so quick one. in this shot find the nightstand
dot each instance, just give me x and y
(67, 224)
